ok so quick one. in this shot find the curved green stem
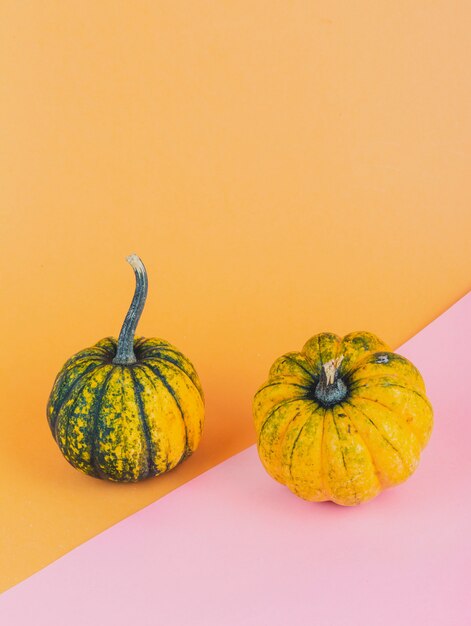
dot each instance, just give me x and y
(125, 352)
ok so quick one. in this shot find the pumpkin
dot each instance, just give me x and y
(342, 419)
(127, 409)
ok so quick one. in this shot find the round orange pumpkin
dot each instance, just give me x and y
(343, 419)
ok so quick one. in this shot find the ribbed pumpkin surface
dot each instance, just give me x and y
(346, 451)
(127, 422)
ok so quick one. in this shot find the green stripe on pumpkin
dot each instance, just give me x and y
(151, 452)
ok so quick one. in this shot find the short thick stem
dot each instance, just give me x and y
(330, 389)
(125, 351)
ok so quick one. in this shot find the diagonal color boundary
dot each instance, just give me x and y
(233, 547)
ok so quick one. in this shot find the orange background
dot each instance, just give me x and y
(282, 168)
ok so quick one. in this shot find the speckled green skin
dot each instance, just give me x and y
(126, 422)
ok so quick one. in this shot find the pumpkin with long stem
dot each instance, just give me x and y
(342, 419)
(127, 409)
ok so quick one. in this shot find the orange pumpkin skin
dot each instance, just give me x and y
(342, 419)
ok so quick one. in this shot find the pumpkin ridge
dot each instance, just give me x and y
(313, 365)
(272, 410)
(86, 357)
(310, 374)
(165, 383)
(321, 453)
(338, 437)
(96, 416)
(162, 348)
(416, 391)
(151, 469)
(88, 353)
(358, 364)
(152, 382)
(108, 346)
(326, 460)
(309, 417)
(407, 424)
(60, 379)
(411, 387)
(349, 479)
(378, 429)
(392, 358)
(170, 363)
(352, 363)
(320, 352)
(328, 337)
(156, 343)
(182, 387)
(273, 437)
(285, 431)
(354, 366)
(68, 413)
(280, 382)
(306, 478)
(80, 379)
(367, 448)
(409, 464)
(138, 341)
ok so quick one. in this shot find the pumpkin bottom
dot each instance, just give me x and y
(125, 470)
(333, 483)
(343, 494)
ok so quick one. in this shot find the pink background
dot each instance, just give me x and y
(233, 547)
